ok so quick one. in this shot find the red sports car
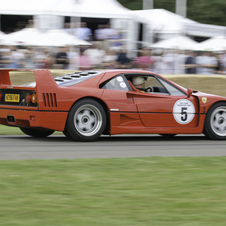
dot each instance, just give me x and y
(84, 105)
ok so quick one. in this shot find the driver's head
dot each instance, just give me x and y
(139, 82)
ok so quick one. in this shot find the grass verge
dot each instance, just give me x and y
(10, 130)
(134, 191)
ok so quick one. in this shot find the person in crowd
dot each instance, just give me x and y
(95, 54)
(62, 58)
(84, 61)
(6, 59)
(99, 32)
(168, 59)
(49, 61)
(73, 57)
(29, 61)
(220, 66)
(123, 61)
(17, 58)
(67, 28)
(190, 65)
(206, 63)
(40, 56)
(109, 32)
(116, 40)
(108, 35)
(143, 61)
(109, 60)
(83, 32)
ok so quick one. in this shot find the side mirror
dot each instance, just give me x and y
(189, 92)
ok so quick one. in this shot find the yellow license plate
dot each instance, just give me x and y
(12, 98)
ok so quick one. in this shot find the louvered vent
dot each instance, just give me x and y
(49, 100)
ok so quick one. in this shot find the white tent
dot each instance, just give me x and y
(5, 41)
(34, 37)
(217, 43)
(167, 24)
(91, 8)
(57, 37)
(177, 42)
(23, 36)
(162, 21)
(2, 36)
(82, 8)
(49, 14)
(25, 7)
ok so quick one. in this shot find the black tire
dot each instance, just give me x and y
(215, 122)
(35, 132)
(168, 136)
(86, 121)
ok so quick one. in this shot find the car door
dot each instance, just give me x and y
(166, 106)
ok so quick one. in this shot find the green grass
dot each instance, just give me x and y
(107, 192)
(10, 130)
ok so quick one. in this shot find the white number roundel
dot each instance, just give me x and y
(183, 111)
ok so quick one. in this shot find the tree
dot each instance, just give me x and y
(203, 11)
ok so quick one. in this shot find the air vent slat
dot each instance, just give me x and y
(49, 100)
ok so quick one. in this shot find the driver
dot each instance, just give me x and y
(139, 83)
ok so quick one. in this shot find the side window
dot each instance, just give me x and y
(171, 89)
(116, 83)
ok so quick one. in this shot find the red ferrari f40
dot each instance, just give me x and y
(84, 105)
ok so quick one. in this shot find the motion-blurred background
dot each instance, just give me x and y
(164, 36)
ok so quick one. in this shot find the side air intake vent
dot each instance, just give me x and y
(49, 100)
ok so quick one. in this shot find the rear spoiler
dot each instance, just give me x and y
(46, 86)
(5, 78)
(43, 77)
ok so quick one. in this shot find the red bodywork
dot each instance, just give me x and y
(128, 111)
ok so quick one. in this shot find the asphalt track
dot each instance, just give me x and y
(120, 146)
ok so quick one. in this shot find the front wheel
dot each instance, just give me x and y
(36, 132)
(86, 121)
(215, 122)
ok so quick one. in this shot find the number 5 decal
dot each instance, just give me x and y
(184, 114)
(183, 111)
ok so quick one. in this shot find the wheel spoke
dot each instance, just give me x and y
(92, 119)
(223, 115)
(86, 112)
(81, 126)
(217, 115)
(216, 124)
(89, 126)
(79, 116)
(222, 126)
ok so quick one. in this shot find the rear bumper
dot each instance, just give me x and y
(42, 119)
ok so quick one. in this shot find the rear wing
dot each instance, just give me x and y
(5, 78)
(45, 86)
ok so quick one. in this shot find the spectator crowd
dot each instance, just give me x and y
(108, 52)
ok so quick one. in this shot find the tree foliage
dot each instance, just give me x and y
(203, 11)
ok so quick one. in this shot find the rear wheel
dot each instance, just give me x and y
(36, 132)
(215, 122)
(86, 121)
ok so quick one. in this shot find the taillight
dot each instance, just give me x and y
(34, 98)
(28, 98)
(0, 96)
